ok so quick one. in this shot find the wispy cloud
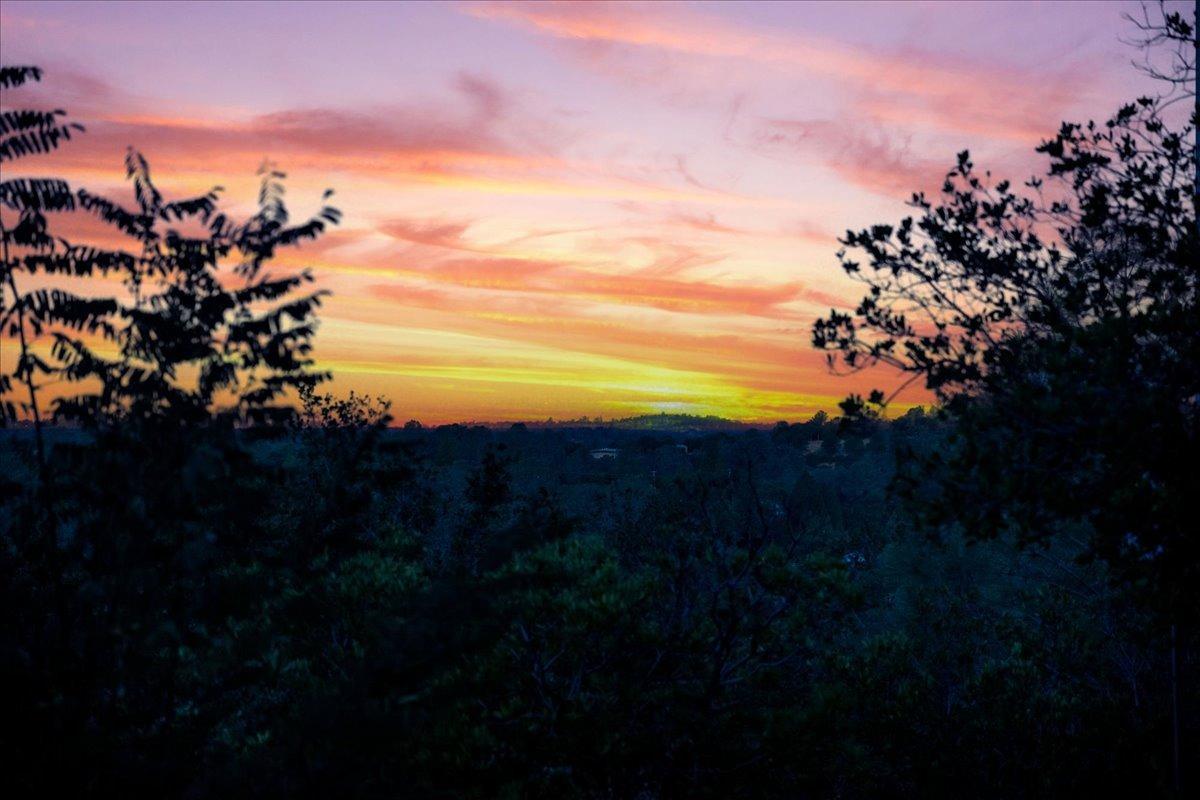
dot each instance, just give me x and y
(568, 207)
(870, 158)
(902, 84)
(433, 233)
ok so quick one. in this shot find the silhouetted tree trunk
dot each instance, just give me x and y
(28, 379)
(1175, 721)
(1175, 771)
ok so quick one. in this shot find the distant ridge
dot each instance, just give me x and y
(650, 422)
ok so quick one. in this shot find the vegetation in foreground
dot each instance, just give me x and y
(471, 612)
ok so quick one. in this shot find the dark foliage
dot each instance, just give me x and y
(204, 332)
(284, 612)
(212, 592)
(1060, 325)
(26, 248)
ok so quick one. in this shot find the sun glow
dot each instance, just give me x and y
(635, 209)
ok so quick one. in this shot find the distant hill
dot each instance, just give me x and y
(651, 422)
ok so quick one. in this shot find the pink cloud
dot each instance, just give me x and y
(429, 233)
(478, 124)
(496, 272)
(707, 223)
(810, 231)
(869, 158)
(904, 85)
(643, 288)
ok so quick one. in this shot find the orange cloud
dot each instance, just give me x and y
(571, 280)
(696, 297)
(476, 126)
(675, 280)
(432, 234)
(707, 223)
(769, 359)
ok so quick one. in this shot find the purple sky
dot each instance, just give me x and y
(563, 209)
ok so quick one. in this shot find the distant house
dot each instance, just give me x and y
(683, 448)
(854, 558)
(605, 452)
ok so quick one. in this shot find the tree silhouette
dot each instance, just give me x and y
(28, 251)
(1060, 322)
(206, 332)
(1059, 326)
(202, 329)
(115, 549)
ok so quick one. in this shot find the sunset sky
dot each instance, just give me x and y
(575, 209)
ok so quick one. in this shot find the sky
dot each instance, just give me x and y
(559, 210)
